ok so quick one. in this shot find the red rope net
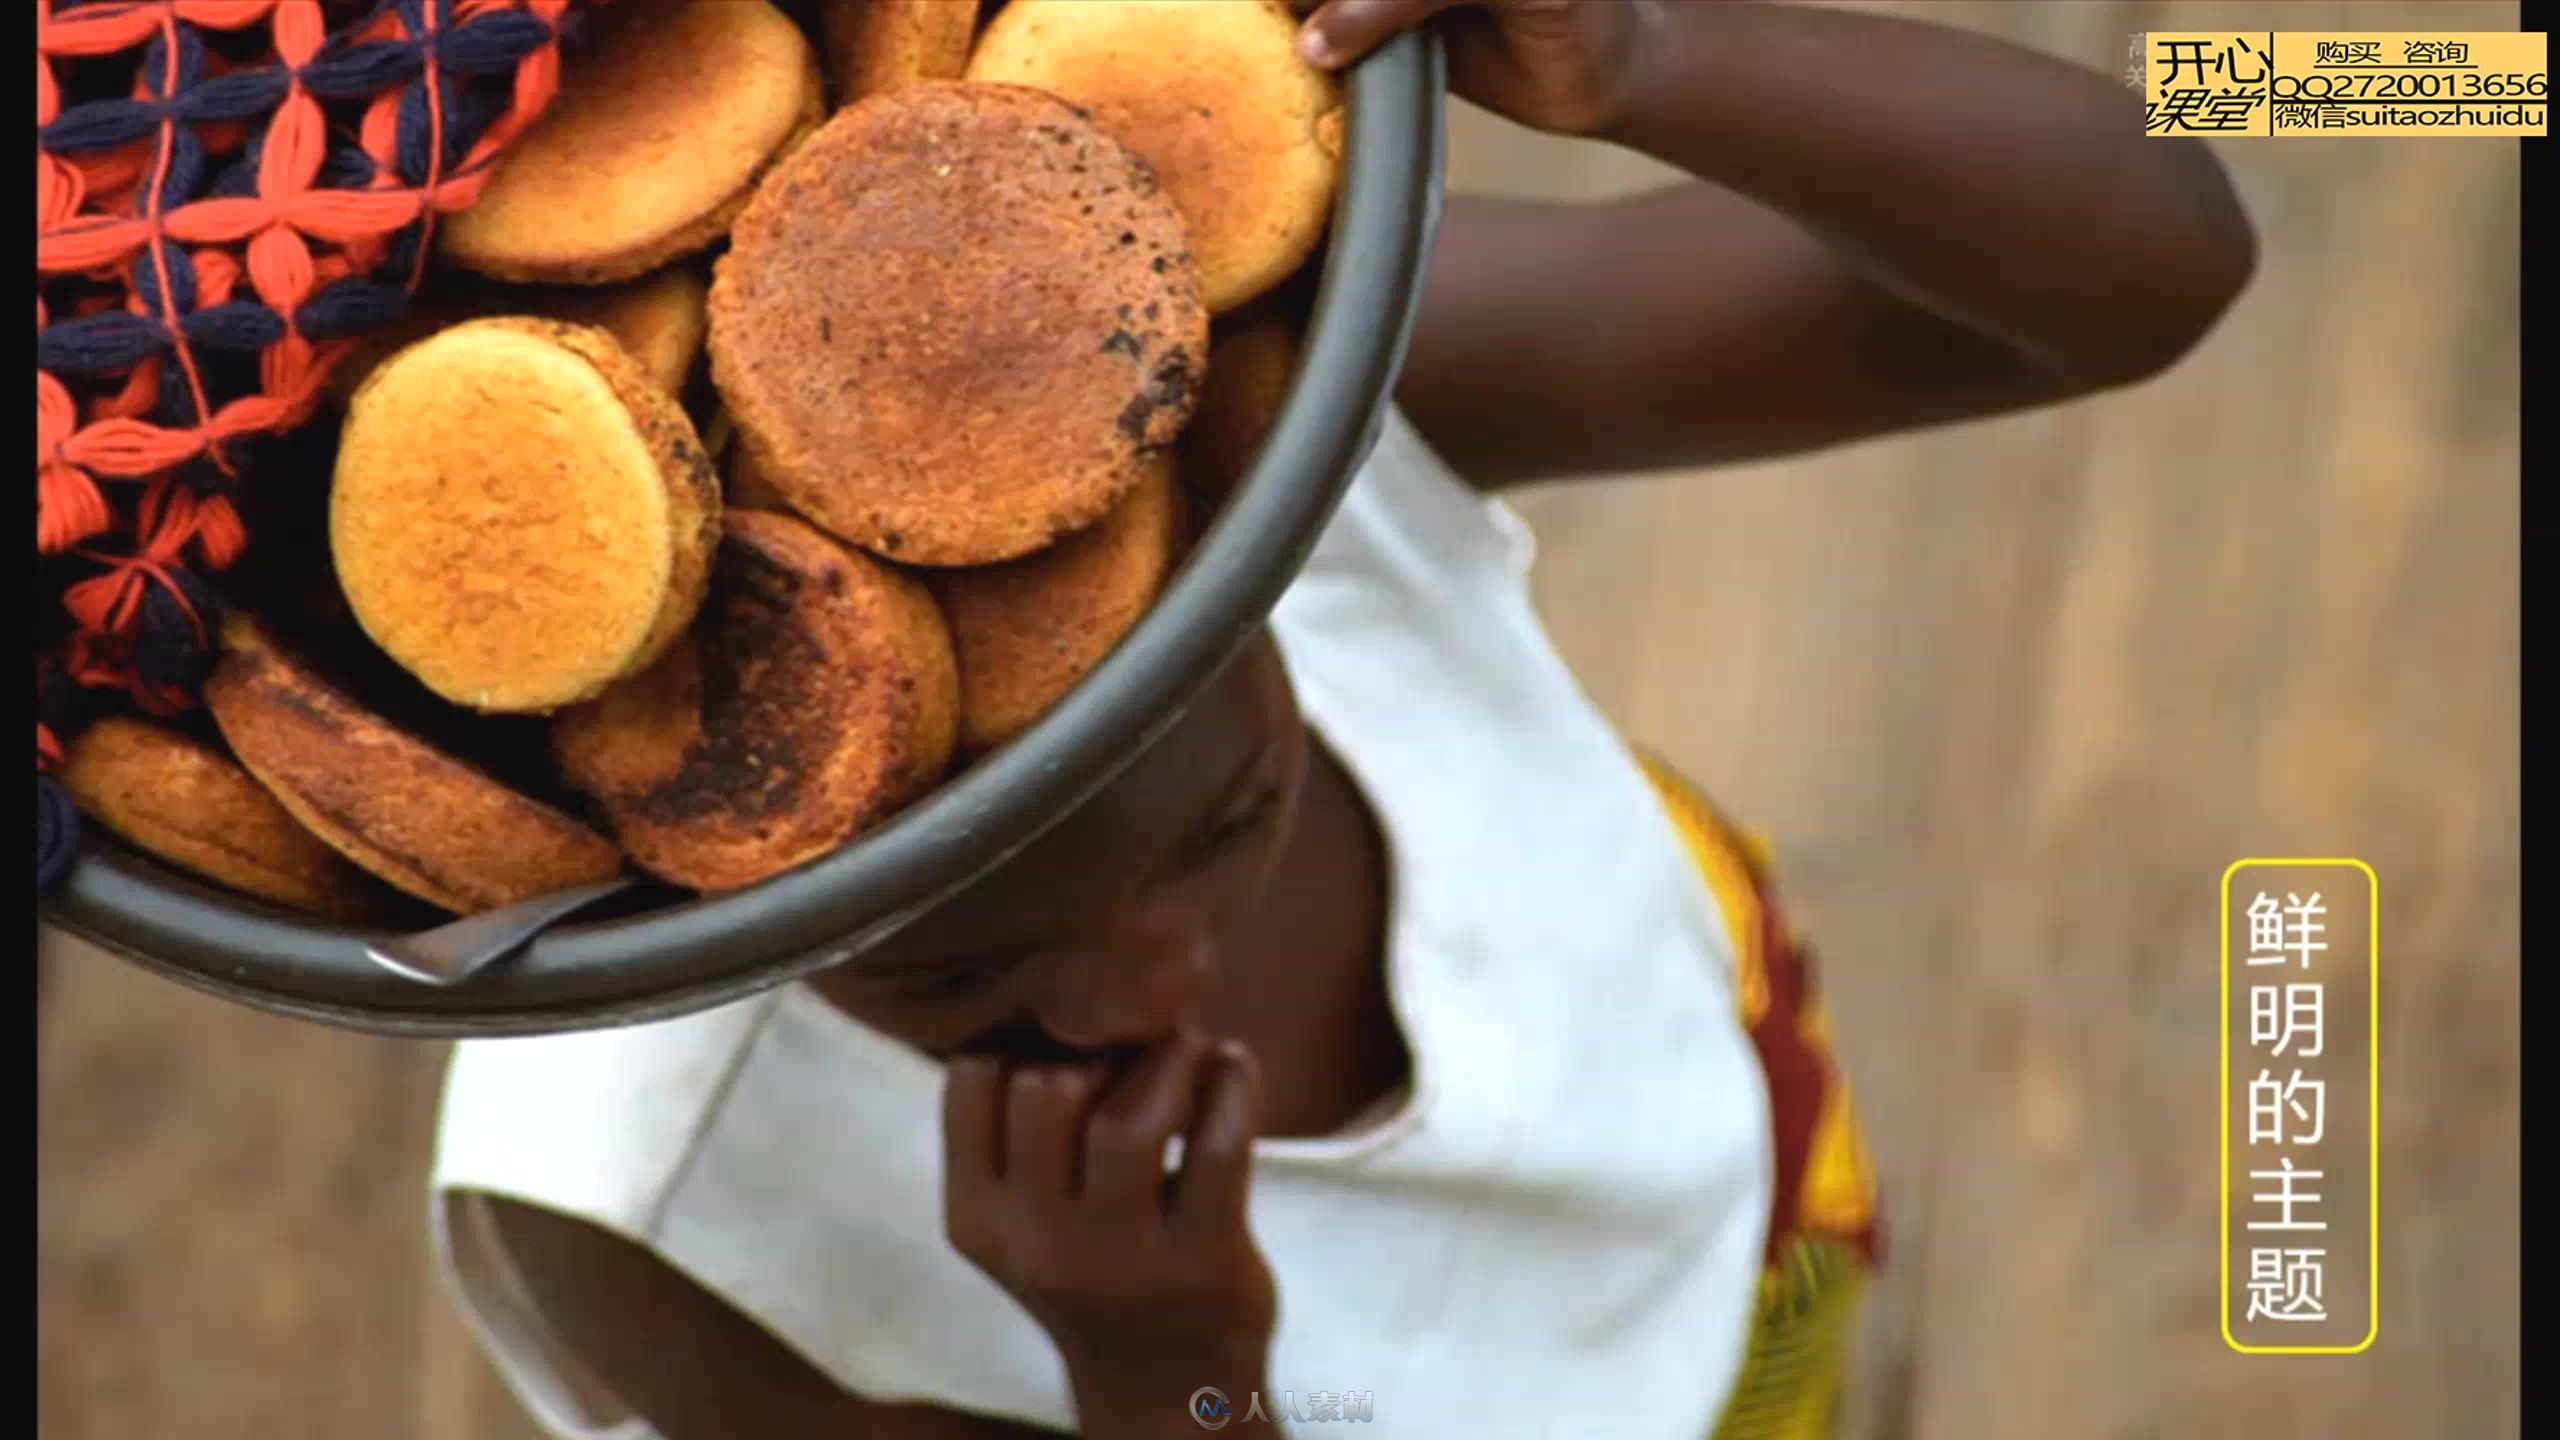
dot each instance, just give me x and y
(228, 194)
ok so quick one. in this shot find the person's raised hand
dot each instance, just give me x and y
(1567, 66)
(1148, 1282)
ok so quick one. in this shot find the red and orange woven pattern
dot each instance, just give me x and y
(227, 193)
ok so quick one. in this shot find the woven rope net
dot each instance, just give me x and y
(228, 194)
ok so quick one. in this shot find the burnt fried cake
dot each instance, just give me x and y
(430, 824)
(180, 800)
(954, 322)
(817, 695)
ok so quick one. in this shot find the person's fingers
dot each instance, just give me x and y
(1217, 1153)
(1341, 31)
(972, 1120)
(1126, 1138)
(1043, 1126)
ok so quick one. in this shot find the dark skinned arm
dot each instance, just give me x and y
(1055, 1187)
(1895, 225)
(683, 1360)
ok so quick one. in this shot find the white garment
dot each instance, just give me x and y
(1558, 1229)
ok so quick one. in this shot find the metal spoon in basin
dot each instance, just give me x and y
(451, 954)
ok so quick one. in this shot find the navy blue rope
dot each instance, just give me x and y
(173, 644)
(475, 67)
(350, 307)
(62, 708)
(57, 833)
(106, 344)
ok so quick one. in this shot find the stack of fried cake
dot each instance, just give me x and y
(997, 301)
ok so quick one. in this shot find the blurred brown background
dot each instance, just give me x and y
(2008, 697)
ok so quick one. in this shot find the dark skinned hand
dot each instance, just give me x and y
(1148, 1283)
(1565, 66)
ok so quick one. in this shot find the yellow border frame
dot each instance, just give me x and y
(2373, 1131)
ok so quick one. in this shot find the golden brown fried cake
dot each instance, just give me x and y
(748, 487)
(816, 697)
(1250, 368)
(182, 801)
(658, 320)
(660, 131)
(1026, 632)
(1246, 137)
(953, 322)
(521, 514)
(875, 46)
(430, 824)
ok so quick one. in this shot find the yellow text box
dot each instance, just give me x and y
(2297, 83)
(2283, 946)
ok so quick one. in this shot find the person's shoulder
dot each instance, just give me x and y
(667, 1051)
(624, 1312)
(1411, 521)
(592, 1123)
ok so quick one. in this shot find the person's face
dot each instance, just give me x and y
(1102, 934)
